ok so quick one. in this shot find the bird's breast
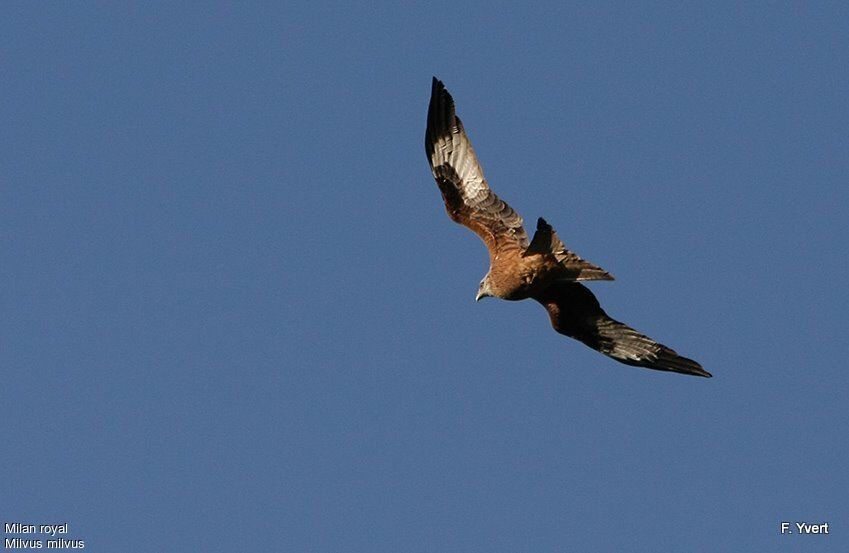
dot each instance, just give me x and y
(516, 278)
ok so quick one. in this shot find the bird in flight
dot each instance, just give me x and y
(541, 267)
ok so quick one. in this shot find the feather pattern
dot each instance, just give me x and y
(575, 312)
(468, 198)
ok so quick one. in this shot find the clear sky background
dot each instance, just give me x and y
(235, 316)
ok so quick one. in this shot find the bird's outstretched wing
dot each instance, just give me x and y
(575, 312)
(468, 199)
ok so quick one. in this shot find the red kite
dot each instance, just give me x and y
(540, 268)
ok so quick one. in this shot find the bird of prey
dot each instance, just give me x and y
(540, 268)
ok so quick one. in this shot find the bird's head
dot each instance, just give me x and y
(484, 289)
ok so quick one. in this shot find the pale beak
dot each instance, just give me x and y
(481, 294)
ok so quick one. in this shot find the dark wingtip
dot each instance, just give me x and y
(699, 372)
(440, 114)
(436, 85)
(696, 370)
(669, 360)
(542, 224)
(439, 98)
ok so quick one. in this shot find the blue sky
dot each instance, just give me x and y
(236, 316)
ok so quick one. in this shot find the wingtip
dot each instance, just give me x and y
(439, 95)
(669, 360)
(696, 369)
